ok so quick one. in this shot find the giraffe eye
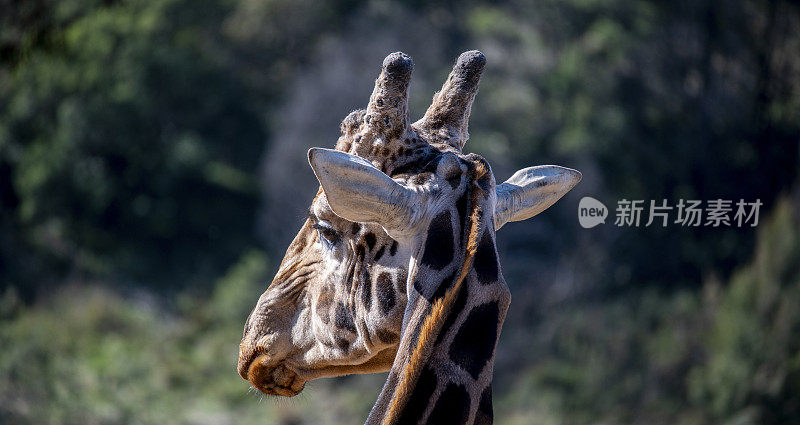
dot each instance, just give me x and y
(328, 234)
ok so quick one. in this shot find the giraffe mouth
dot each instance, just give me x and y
(274, 379)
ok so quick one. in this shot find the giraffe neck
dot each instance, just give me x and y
(443, 369)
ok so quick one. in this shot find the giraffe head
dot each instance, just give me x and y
(337, 303)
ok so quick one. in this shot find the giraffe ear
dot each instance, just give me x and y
(357, 191)
(532, 190)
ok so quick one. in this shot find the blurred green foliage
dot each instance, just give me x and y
(727, 354)
(129, 149)
(94, 355)
(146, 148)
(753, 350)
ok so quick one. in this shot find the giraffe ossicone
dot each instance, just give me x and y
(396, 266)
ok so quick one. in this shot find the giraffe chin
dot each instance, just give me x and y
(274, 379)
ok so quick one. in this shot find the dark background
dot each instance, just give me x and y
(153, 170)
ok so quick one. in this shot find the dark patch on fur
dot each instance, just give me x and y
(356, 228)
(366, 291)
(454, 181)
(485, 182)
(461, 207)
(360, 252)
(485, 262)
(385, 291)
(386, 336)
(474, 343)
(419, 286)
(485, 415)
(433, 293)
(344, 320)
(445, 284)
(458, 306)
(379, 254)
(452, 408)
(439, 244)
(432, 164)
(417, 165)
(393, 248)
(370, 239)
(419, 399)
(342, 343)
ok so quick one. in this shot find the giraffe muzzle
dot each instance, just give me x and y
(272, 379)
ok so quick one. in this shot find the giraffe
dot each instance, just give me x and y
(396, 267)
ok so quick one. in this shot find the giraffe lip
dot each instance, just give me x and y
(273, 379)
(245, 362)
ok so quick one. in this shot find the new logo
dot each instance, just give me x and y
(591, 212)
